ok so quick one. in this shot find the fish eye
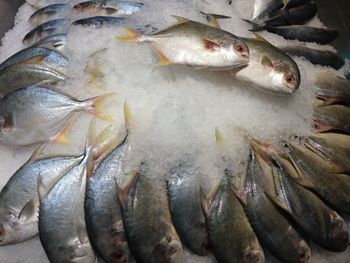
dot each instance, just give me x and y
(240, 48)
(290, 79)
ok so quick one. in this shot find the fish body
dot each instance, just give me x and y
(230, 234)
(293, 16)
(49, 53)
(35, 114)
(196, 45)
(312, 174)
(57, 40)
(62, 226)
(103, 212)
(318, 221)
(48, 28)
(47, 13)
(272, 228)
(186, 210)
(269, 68)
(333, 148)
(150, 233)
(19, 200)
(42, 3)
(332, 118)
(315, 56)
(119, 8)
(263, 8)
(31, 72)
(333, 89)
(98, 21)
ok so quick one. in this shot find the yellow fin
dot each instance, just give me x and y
(97, 106)
(180, 19)
(131, 35)
(36, 60)
(163, 60)
(61, 136)
(266, 61)
(218, 136)
(260, 38)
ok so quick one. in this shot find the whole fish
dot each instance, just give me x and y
(312, 174)
(318, 221)
(303, 33)
(333, 148)
(119, 8)
(19, 201)
(30, 72)
(293, 16)
(103, 211)
(48, 28)
(196, 45)
(62, 226)
(186, 210)
(57, 40)
(315, 56)
(36, 114)
(263, 8)
(150, 232)
(48, 52)
(42, 3)
(98, 21)
(47, 13)
(269, 68)
(230, 234)
(332, 118)
(332, 89)
(272, 228)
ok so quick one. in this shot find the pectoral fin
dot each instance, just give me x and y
(30, 209)
(266, 61)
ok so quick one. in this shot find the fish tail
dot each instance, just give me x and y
(131, 35)
(107, 140)
(96, 106)
(256, 27)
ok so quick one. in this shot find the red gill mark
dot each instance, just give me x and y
(210, 45)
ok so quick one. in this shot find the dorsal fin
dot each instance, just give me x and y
(260, 38)
(180, 19)
(37, 152)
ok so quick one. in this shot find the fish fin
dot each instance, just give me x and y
(96, 73)
(256, 27)
(131, 35)
(212, 19)
(106, 142)
(110, 10)
(31, 208)
(36, 60)
(123, 193)
(163, 60)
(260, 38)
(205, 202)
(61, 136)
(266, 61)
(37, 152)
(180, 19)
(277, 201)
(6, 123)
(42, 190)
(127, 116)
(218, 136)
(96, 106)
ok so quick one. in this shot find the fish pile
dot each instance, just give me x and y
(89, 208)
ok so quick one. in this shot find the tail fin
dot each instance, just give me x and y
(256, 27)
(96, 106)
(131, 35)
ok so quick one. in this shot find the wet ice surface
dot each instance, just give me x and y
(175, 109)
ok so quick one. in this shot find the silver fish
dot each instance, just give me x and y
(36, 114)
(57, 40)
(114, 7)
(263, 8)
(47, 13)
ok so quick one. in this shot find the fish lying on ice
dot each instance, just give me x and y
(50, 12)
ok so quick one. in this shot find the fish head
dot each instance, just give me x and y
(284, 79)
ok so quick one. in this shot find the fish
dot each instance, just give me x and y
(42, 3)
(333, 148)
(186, 211)
(332, 118)
(48, 52)
(57, 40)
(269, 68)
(62, 228)
(302, 33)
(108, 7)
(271, 227)
(294, 16)
(332, 89)
(263, 8)
(98, 21)
(149, 230)
(30, 72)
(230, 233)
(37, 114)
(103, 212)
(316, 56)
(48, 28)
(312, 173)
(47, 13)
(19, 201)
(194, 44)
